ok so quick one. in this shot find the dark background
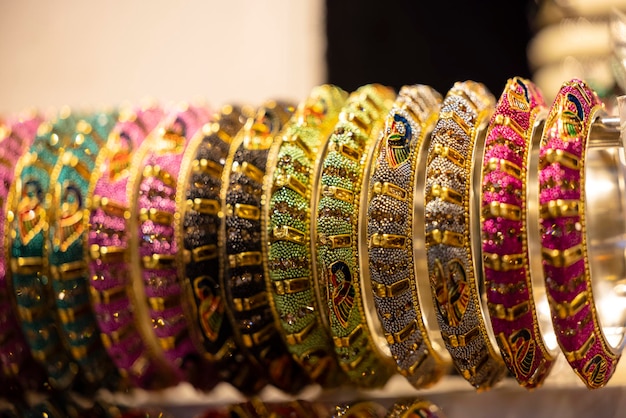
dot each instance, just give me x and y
(398, 42)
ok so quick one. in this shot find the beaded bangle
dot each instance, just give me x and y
(242, 269)
(152, 192)
(359, 409)
(107, 248)
(15, 357)
(200, 210)
(581, 205)
(341, 240)
(510, 285)
(69, 274)
(451, 214)
(416, 408)
(292, 163)
(29, 284)
(395, 270)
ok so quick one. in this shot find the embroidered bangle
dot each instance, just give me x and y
(410, 327)
(581, 202)
(242, 276)
(200, 210)
(65, 248)
(511, 285)
(152, 192)
(15, 357)
(453, 234)
(415, 408)
(363, 353)
(286, 223)
(107, 248)
(27, 221)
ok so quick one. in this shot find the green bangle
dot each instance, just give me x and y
(69, 273)
(28, 223)
(357, 337)
(289, 182)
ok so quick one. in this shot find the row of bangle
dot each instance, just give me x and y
(337, 241)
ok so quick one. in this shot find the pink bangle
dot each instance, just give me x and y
(16, 361)
(108, 244)
(511, 286)
(581, 206)
(153, 246)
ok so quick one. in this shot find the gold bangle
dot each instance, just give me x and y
(395, 234)
(200, 209)
(28, 220)
(287, 230)
(513, 278)
(453, 233)
(357, 335)
(581, 206)
(153, 249)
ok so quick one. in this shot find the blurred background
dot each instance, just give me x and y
(70, 52)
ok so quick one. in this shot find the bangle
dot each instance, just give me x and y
(242, 277)
(510, 284)
(363, 353)
(200, 212)
(15, 357)
(290, 180)
(394, 267)
(359, 409)
(416, 408)
(452, 233)
(581, 199)
(107, 249)
(152, 192)
(68, 217)
(27, 221)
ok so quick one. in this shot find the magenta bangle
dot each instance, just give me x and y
(15, 355)
(581, 206)
(108, 243)
(509, 282)
(154, 248)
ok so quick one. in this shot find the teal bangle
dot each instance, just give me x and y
(28, 224)
(69, 273)
(357, 337)
(287, 229)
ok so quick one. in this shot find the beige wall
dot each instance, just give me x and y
(85, 53)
